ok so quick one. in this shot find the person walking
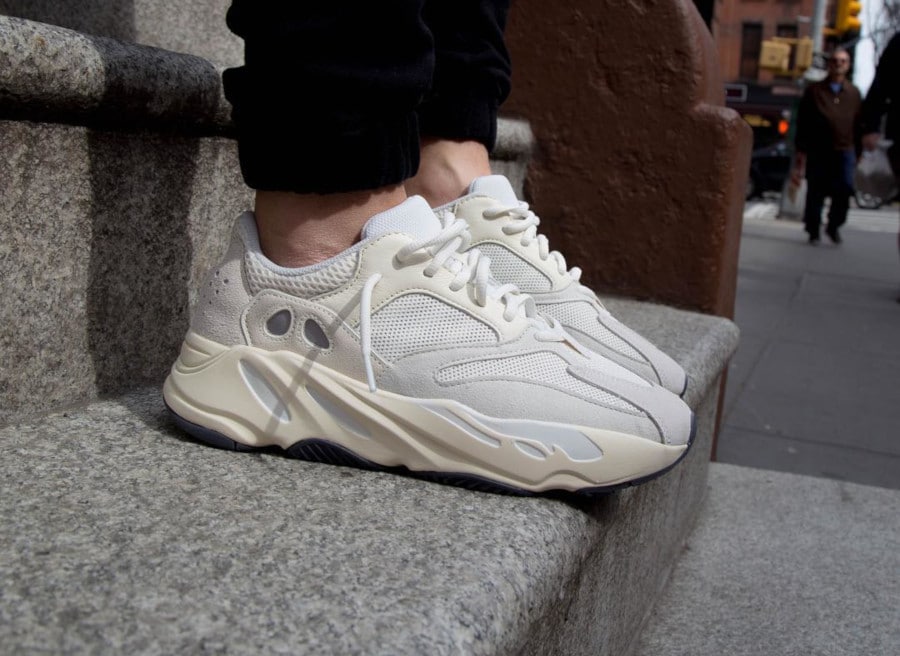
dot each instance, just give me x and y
(884, 99)
(826, 145)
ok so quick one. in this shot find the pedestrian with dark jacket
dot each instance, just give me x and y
(826, 143)
(884, 98)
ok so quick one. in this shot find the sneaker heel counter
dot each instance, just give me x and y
(222, 297)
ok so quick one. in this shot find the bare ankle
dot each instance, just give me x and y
(447, 168)
(297, 230)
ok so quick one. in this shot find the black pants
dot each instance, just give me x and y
(828, 174)
(333, 95)
(894, 155)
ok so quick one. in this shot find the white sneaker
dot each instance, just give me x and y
(504, 229)
(401, 352)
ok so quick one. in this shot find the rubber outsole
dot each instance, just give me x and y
(321, 450)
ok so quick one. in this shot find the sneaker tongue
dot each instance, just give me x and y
(497, 187)
(412, 217)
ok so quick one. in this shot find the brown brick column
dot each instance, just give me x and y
(640, 171)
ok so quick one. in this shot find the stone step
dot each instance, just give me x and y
(123, 536)
(784, 564)
(118, 189)
(196, 27)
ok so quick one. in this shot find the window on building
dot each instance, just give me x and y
(751, 43)
(788, 30)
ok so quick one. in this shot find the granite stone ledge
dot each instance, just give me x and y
(514, 139)
(196, 27)
(105, 234)
(123, 536)
(56, 74)
(51, 73)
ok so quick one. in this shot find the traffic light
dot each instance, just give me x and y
(774, 55)
(847, 16)
(803, 56)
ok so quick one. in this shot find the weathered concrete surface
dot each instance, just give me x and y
(784, 564)
(104, 233)
(812, 389)
(191, 26)
(55, 74)
(121, 535)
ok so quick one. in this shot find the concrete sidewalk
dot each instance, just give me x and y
(781, 563)
(785, 565)
(814, 387)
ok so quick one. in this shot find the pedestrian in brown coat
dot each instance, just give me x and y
(827, 144)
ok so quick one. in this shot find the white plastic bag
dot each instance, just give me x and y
(874, 175)
(793, 200)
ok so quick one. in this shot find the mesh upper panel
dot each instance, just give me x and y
(415, 322)
(544, 368)
(308, 284)
(507, 267)
(582, 316)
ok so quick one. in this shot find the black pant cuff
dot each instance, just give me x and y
(460, 117)
(381, 153)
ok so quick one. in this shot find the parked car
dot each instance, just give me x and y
(770, 166)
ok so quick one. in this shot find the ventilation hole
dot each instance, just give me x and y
(279, 323)
(315, 335)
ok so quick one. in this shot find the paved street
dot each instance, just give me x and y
(814, 387)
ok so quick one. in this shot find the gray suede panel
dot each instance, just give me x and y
(414, 376)
(663, 370)
(668, 372)
(668, 412)
(657, 366)
(223, 297)
(343, 353)
(643, 369)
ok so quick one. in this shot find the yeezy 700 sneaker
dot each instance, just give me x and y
(504, 229)
(403, 352)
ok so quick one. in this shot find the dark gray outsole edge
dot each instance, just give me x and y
(687, 380)
(321, 450)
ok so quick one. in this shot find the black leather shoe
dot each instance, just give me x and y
(813, 240)
(833, 235)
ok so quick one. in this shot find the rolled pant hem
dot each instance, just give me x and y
(377, 155)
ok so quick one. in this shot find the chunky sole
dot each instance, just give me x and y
(247, 399)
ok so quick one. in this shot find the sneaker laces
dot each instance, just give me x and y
(525, 221)
(446, 250)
